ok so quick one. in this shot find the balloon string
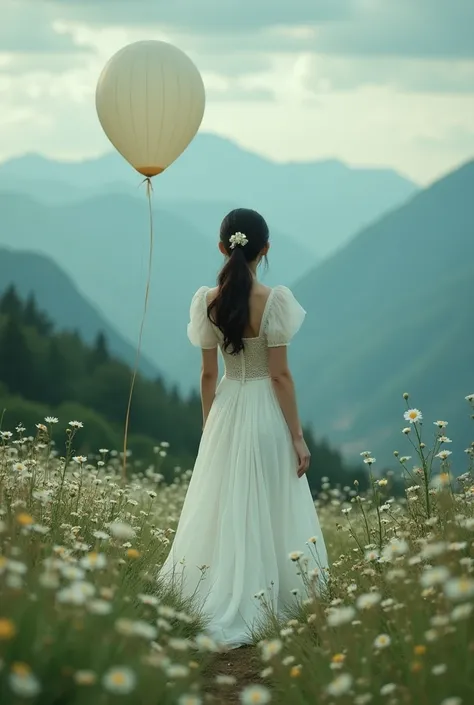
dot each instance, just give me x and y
(149, 190)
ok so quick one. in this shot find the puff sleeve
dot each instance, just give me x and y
(285, 317)
(201, 332)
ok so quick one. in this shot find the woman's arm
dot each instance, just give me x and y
(285, 392)
(209, 373)
(284, 389)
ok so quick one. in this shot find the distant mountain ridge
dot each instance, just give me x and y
(319, 204)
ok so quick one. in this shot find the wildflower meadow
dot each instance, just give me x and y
(83, 619)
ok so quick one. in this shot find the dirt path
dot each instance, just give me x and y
(243, 663)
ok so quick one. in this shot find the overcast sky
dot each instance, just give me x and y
(371, 82)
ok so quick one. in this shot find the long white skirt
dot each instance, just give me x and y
(245, 511)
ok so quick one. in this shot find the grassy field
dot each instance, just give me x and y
(82, 619)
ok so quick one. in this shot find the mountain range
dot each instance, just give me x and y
(392, 312)
(92, 220)
(317, 204)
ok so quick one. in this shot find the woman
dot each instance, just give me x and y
(248, 504)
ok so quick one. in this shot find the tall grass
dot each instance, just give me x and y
(83, 620)
(397, 622)
(81, 617)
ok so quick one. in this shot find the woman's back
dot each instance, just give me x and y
(258, 298)
(275, 316)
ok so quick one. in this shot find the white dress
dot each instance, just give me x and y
(246, 509)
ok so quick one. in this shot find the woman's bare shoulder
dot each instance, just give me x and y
(261, 291)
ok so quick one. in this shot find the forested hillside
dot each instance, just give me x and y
(45, 372)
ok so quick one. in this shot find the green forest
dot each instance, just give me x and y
(47, 372)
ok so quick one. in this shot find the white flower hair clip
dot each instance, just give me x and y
(238, 239)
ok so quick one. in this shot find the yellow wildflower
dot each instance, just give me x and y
(419, 650)
(7, 629)
(133, 553)
(20, 669)
(338, 658)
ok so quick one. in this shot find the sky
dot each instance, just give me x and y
(386, 83)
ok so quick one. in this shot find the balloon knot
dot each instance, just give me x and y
(149, 185)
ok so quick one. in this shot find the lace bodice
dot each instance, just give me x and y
(281, 319)
(251, 363)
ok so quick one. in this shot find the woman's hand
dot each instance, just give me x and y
(303, 454)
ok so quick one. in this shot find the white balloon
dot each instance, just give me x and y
(150, 102)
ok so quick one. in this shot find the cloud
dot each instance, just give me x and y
(360, 38)
(238, 93)
(323, 73)
(42, 62)
(206, 16)
(416, 28)
(459, 139)
(29, 28)
(361, 27)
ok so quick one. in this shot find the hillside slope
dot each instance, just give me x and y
(57, 294)
(392, 312)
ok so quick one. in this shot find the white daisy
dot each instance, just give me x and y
(23, 682)
(340, 615)
(459, 588)
(189, 699)
(368, 600)
(270, 648)
(93, 561)
(382, 641)
(388, 689)
(119, 680)
(413, 415)
(434, 576)
(340, 685)
(255, 695)
(462, 612)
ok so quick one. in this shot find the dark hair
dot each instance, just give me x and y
(230, 310)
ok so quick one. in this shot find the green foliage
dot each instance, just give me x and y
(75, 604)
(44, 372)
(18, 410)
(327, 462)
(398, 615)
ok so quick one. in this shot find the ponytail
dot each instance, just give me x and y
(230, 309)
